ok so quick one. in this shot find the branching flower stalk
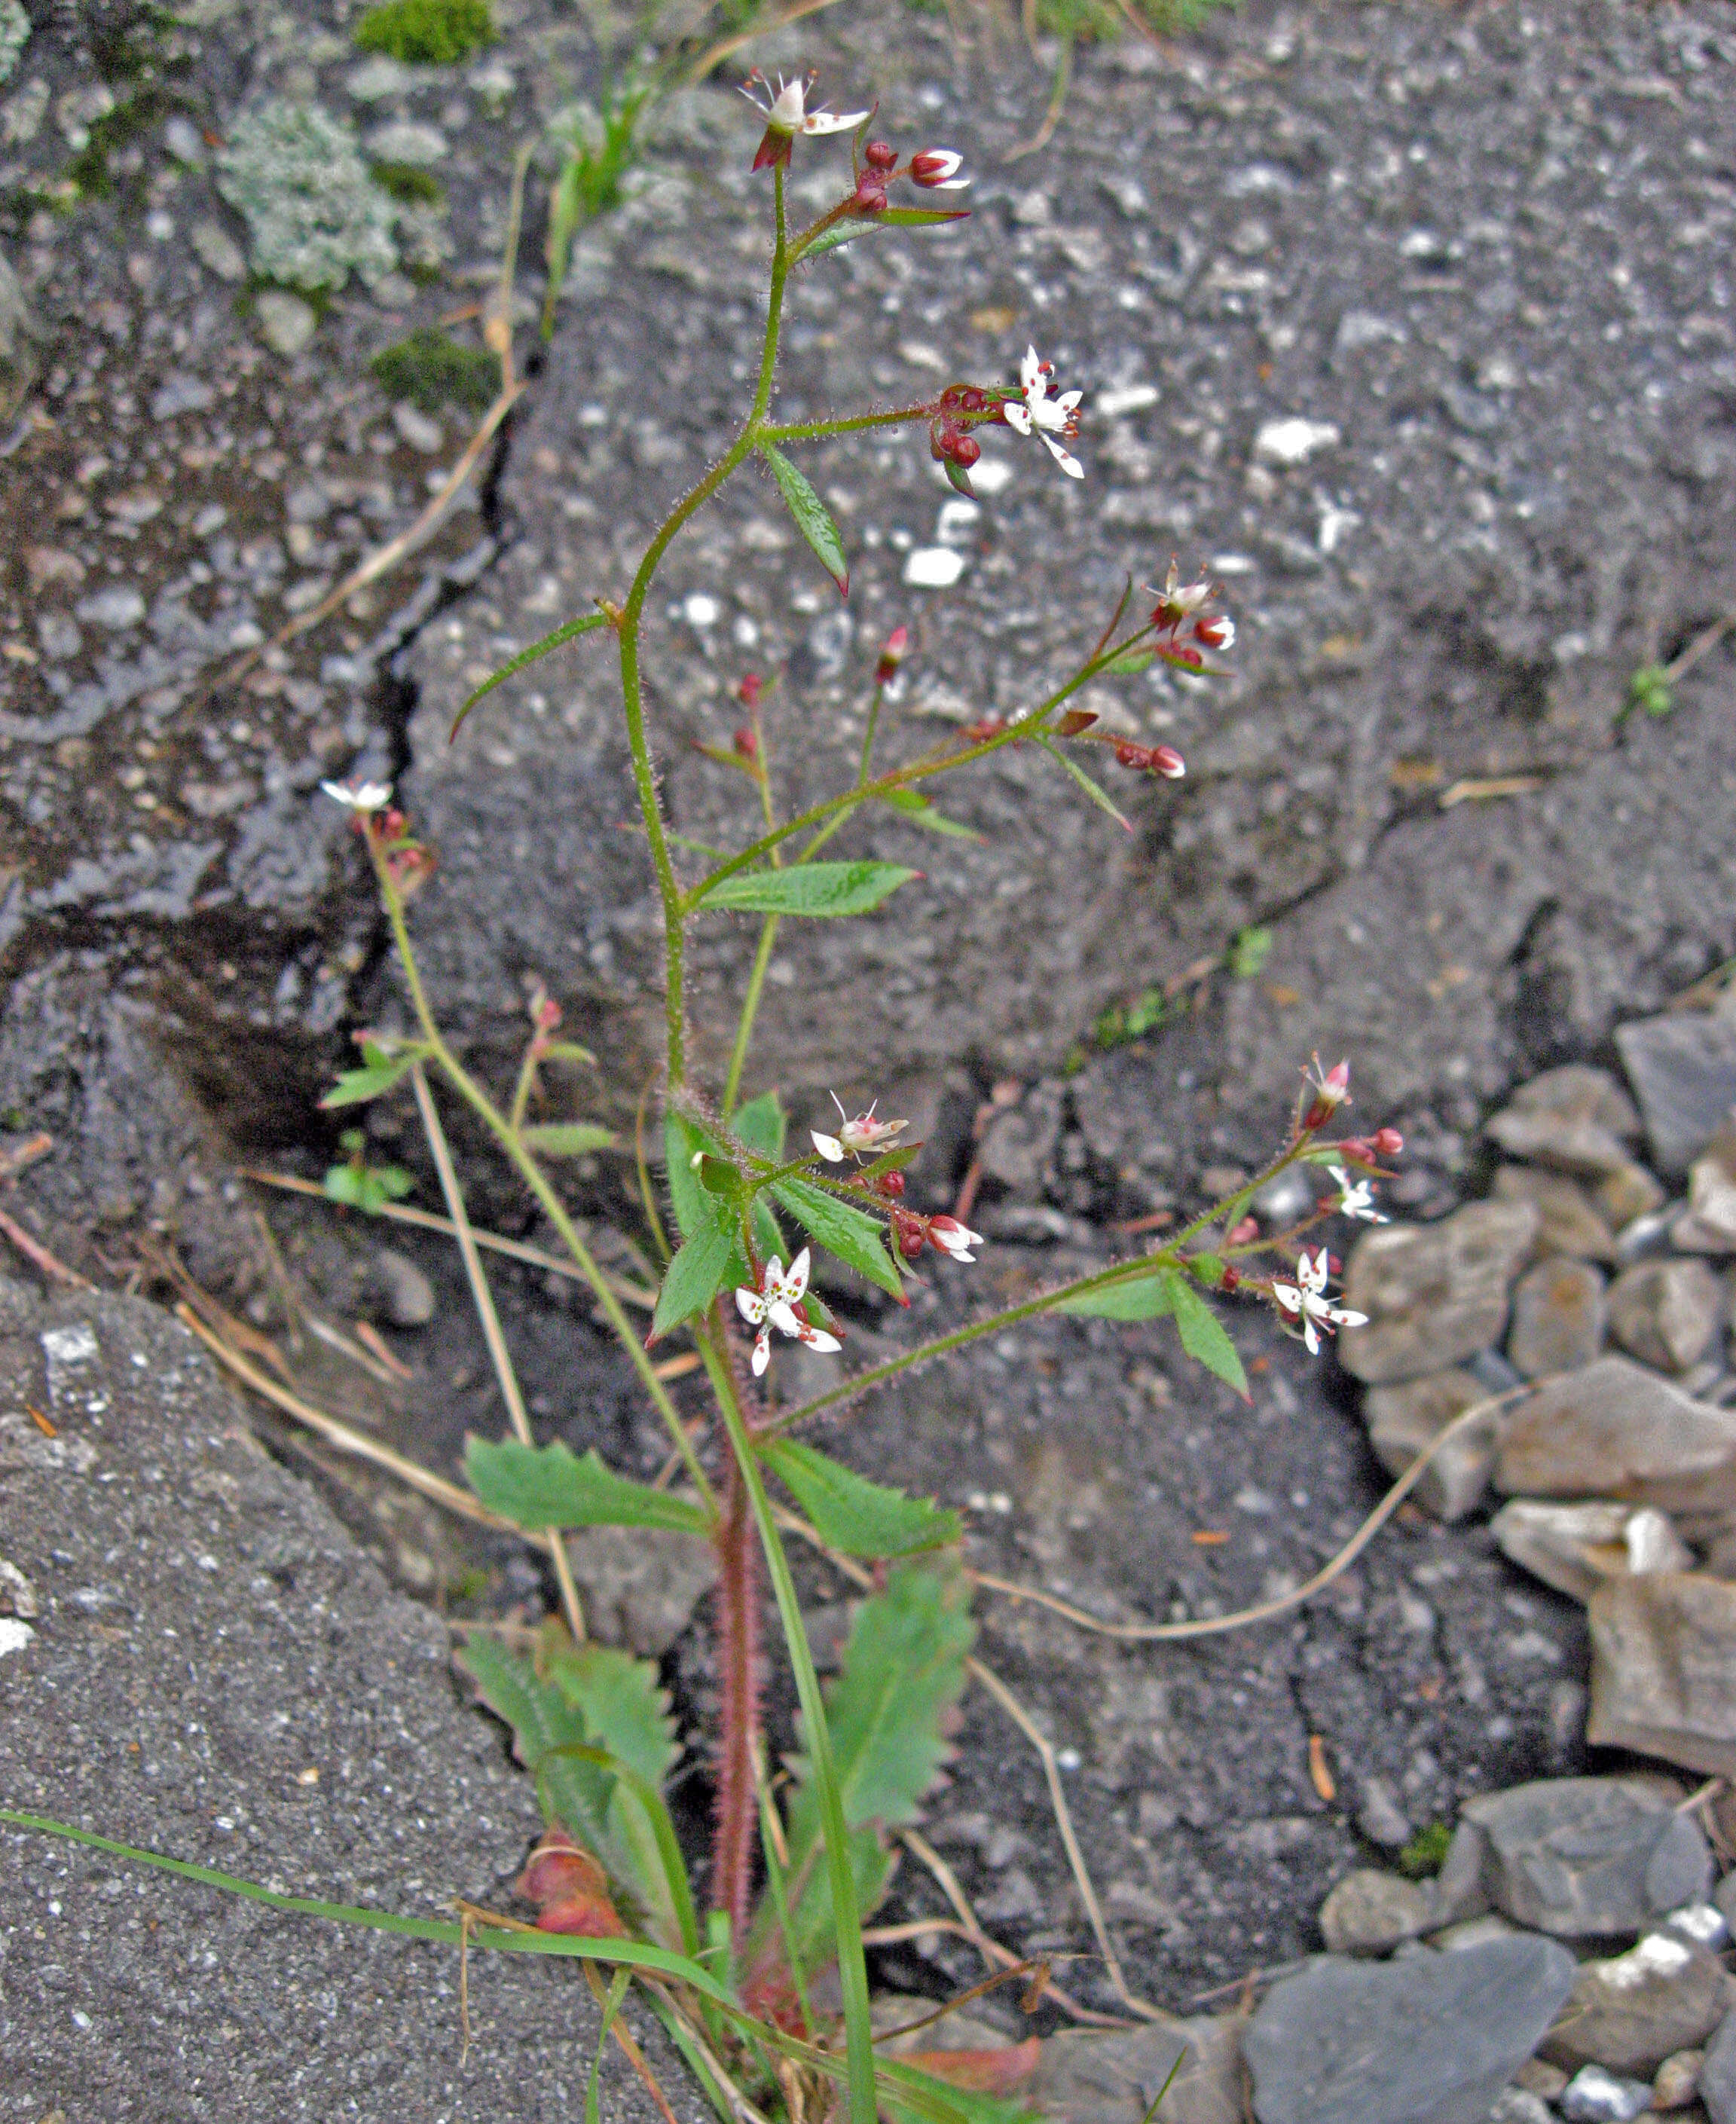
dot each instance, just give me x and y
(588, 1722)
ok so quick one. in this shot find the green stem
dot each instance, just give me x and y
(750, 1011)
(537, 1181)
(814, 431)
(868, 737)
(816, 1738)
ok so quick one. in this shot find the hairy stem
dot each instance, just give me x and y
(738, 1629)
(750, 1011)
(815, 1736)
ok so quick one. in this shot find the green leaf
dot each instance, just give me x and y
(368, 1187)
(957, 478)
(856, 1239)
(894, 217)
(611, 2006)
(592, 1727)
(568, 632)
(813, 519)
(902, 1674)
(701, 1267)
(1140, 1298)
(696, 1209)
(851, 1513)
(1099, 797)
(378, 1073)
(545, 1486)
(761, 1124)
(566, 1139)
(815, 888)
(1249, 949)
(1203, 1335)
(908, 2095)
(920, 810)
(1133, 660)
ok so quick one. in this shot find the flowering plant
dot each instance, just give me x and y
(788, 1886)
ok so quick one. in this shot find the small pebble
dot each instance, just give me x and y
(405, 1296)
(1594, 2096)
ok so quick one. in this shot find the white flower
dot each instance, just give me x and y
(1046, 416)
(1356, 1198)
(954, 1238)
(787, 114)
(776, 1304)
(361, 797)
(936, 170)
(858, 1138)
(1306, 1299)
(1177, 601)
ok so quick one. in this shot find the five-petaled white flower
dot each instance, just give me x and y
(859, 1137)
(1046, 416)
(360, 796)
(954, 1238)
(787, 115)
(1356, 1198)
(1306, 1300)
(777, 1304)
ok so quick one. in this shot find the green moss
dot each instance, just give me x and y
(430, 369)
(426, 32)
(407, 184)
(1426, 1853)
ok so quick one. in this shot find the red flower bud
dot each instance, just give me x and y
(879, 155)
(942, 434)
(891, 655)
(971, 400)
(891, 1184)
(1168, 762)
(952, 397)
(870, 194)
(1232, 1277)
(749, 691)
(1242, 1231)
(1074, 720)
(1216, 633)
(934, 166)
(1138, 757)
(746, 744)
(965, 451)
(1357, 1150)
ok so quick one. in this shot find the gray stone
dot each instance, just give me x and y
(419, 431)
(1709, 1226)
(270, 1707)
(1674, 2082)
(217, 251)
(1585, 1857)
(1432, 2039)
(1575, 1547)
(286, 323)
(1664, 1670)
(116, 609)
(402, 1292)
(1629, 1193)
(1557, 1318)
(1576, 1119)
(1370, 1911)
(1628, 2013)
(1471, 1932)
(1717, 2088)
(1434, 1293)
(640, 1585)
(1594, 2096)
(1518, 2105)
(1682, 1068)
(1461, 1895)
(1616, 1430)
(1085, 2077)
(1569, 1221)
(1668, 1313)
(21, 334)
(1379, 1815)
(1406, 1419)
(1019, 1142)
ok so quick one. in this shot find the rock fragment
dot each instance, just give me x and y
(1084, 2078)
(1557, 1318)
(1628, 1193)
(1569, 1221)
(402, 1292)
(1587, 1858)
(1668, 1313)
(1682, 1068)
(1664, 1670)
(1676, 2080)
(1709, 1225)
(1370, 1911)
(1575, 1119)
(1717, 2088)
(1575, 1547)
(1406, 1419)
(1628, 2013)
(1594, 2096)
(1615, 1430)
(640, 1585)
(1434, 1293)
(1429, 2039)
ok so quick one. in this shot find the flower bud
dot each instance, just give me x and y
(1217, 632)
(1138, 757)
(942, 434)
(1357, 1150)
(1244, 1230)
(1231, 1278)
(1074, 720)
(746, 744)
(870, 194)
(1388, 1142)
(1168, 762)
(749, 691)
(879, 155)
(892, 1185)
(891, 655)
(936, 167)
(965, 451)
(971, 400)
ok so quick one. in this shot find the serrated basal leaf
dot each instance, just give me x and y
(850, 1513)
(547, 1486)
(566, 1139)
(696, 1210)
(1203, 1335)
(1140, 1298)
(813, 519)
(701, 1267)
(820, 889)
(855, 1238)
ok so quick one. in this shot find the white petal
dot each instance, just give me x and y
(787, 112)
(1030, 370)
(816, 1338)
(1341, 1316)
(795, 1284)
(782, 1318)
(1068, 401)
(1016, 417)
(769, 1283)
(750, 1305)
(1309, 1337)
(1287, 1296)
(1069, 463)
(827, 121)
(762, 1352)
(828, 1147)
